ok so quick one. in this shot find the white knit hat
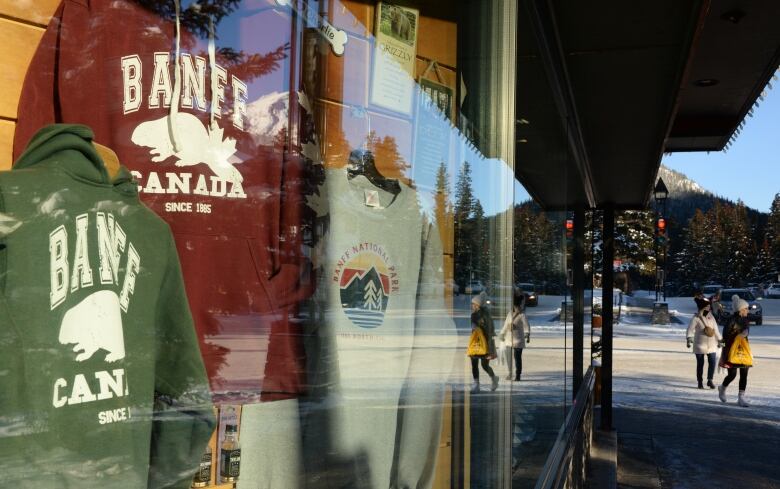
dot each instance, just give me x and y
(738, 303)
(478, 299)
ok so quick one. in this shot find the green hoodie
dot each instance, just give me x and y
(101, 379)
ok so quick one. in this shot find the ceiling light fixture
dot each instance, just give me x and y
(706, 82)
(733, 16)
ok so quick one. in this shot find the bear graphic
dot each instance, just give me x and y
(198, 144)
(400, 24)
(94, 323)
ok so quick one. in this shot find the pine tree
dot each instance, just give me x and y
(634, 242)
(464, 226)
(742, 247)
(389, 160)
(763, 270)
(773, 232)
(443, 205)
(372, 297)
(481, 243)
(692, 263)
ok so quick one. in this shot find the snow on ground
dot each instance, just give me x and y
(651, 362)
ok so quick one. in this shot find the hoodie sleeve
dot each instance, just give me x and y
(183, 419)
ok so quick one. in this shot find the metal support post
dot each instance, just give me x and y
(607, 283)
(578, 296)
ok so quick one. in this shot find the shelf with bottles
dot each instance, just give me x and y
(222, 458)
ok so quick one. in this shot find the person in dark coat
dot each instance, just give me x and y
(738, 326)
(481, 318)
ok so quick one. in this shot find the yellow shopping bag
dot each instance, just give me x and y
(739, 354)
(477, 343)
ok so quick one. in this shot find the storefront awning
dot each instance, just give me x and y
(603, 90)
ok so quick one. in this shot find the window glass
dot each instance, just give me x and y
(279, 243)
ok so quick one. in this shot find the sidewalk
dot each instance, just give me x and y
(697, 444)
(672, 435)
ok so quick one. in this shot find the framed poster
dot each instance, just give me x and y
(441, 96)
(395, 51)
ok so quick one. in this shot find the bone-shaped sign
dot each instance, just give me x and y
(336, 37)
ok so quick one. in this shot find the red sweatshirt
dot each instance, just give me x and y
(206, 147)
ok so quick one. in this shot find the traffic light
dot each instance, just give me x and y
(569, 229)
(660, 227)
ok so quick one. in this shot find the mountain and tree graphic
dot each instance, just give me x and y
(364, 296)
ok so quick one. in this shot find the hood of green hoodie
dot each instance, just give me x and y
(69, 147)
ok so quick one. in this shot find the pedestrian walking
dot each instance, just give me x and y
(736, 355)
(717, 308)
(517, 332)
(704, 336)
(481, 319)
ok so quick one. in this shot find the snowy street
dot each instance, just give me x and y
(670, 434)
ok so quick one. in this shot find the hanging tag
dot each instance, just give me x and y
(372, 199)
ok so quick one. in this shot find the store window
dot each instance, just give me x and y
(256, 249)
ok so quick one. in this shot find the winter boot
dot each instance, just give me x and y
(741, 399)
(494, 386)
(722, 393)
(710, 384)
(701, 385)
(475, 386)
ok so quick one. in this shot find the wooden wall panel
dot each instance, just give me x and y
(33, 11)
(342, 132)
(346, 77)
(17, 45)
(351, 16)
(437, 40)
(442, 477)
(6, 144)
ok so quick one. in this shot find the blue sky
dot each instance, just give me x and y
(750, 170)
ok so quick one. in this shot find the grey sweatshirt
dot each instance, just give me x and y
(383, 338)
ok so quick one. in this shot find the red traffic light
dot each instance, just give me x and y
(569, 224)
(662, 224)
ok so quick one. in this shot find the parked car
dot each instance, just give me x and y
(531, 296)
(711, 289)
(474, 287)
(756, 289)
(772, 292)
(755, 311)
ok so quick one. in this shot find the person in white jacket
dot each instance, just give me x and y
(705, 338)
(516, 331)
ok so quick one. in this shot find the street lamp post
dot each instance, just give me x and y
(660, 193)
